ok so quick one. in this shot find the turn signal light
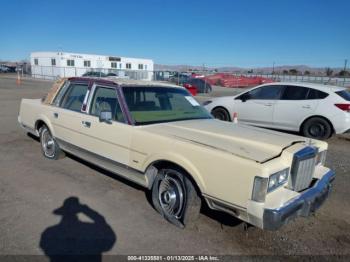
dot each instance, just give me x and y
(344, 107)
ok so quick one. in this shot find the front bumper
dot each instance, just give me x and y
(303, 205)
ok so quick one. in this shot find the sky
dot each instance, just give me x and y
(216, 33)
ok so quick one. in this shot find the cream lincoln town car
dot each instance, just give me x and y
(158, 136)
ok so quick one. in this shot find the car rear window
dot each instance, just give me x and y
(316, 94)
(344, 94)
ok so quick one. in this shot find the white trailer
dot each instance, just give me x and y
(51, 65)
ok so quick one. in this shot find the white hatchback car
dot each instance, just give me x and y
(315, 110)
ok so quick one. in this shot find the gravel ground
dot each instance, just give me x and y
(31, 188)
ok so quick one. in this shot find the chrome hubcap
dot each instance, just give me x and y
(171, 195)
(48, 143)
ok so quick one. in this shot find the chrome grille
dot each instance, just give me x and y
(303, 168)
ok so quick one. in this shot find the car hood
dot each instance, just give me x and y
(257, 144)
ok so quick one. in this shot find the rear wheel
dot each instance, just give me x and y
(175, 197)
(49, 146)
(317, 128)
(221, 114)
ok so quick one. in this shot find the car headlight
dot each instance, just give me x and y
(321, 157)
(277, 179)
(207, 102)
(263, 185)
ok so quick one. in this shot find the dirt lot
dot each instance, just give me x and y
(31, 188)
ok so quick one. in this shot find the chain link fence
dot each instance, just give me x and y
(176, 77)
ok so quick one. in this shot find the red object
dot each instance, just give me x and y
(191, 88)
(228, 80)
(344, 107)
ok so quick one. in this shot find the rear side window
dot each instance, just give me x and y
(316, 94)
(295, 93)
(344, 94)
(73, 99)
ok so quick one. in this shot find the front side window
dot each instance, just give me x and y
(105, 99)
(295, 93)
(149, 105)
(272, 92)
(70, 62)
(74, 97)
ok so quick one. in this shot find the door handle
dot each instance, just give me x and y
(307, 107)
(86, 124)
(55, 115)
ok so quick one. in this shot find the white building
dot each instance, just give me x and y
(50, 65)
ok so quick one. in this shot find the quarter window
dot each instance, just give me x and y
(316, 94)
(272, 92)
(73, 99)
(295, 93)
(105, 99)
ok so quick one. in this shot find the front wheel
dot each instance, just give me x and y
(175, 197)
(317, 128)
(49, 146)
(221, 114)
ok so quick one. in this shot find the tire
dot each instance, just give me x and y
(49, 146)
(175, 197)
(317, 128)
(221, 114)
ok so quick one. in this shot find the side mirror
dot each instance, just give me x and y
(106, 117)
(244, 97)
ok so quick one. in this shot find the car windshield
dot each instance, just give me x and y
(150, 105)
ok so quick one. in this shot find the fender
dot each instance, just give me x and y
(179, 160)
(47, 122)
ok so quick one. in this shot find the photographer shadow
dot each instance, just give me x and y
(74, 240)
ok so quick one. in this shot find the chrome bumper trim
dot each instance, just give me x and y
(303, 205)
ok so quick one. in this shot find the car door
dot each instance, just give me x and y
(296, 104)
(109, 140)
(67, 113)
(256, 107)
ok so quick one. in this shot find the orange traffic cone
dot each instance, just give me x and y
(235, 117)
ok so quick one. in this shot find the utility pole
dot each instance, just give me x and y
(273, 67)
(345, 64)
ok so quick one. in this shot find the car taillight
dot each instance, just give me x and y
(344, 107)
